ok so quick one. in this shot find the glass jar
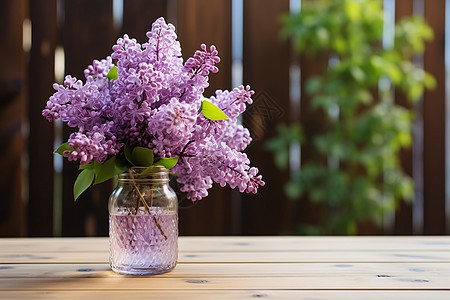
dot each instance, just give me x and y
(143, 223)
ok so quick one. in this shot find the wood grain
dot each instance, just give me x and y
(434, 124)
(289, 267)
(243, 244)
(266, 69)
(324, 282)
(134, 22)
(41, 76)
(12, 118)
(229, 270)
(241, 257)
(228, 294)
(404, 213)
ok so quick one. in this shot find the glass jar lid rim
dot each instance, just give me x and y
(158, 173)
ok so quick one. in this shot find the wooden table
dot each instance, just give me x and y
(234, 268)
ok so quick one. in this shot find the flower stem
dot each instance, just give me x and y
(142, 199)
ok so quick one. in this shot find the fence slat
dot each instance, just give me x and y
(202, 21)
(138, 16)
(40, 139)
(266, 70)
(88, 34)
(12, 117)
(403, 216)
(208, 22)
(434, 123)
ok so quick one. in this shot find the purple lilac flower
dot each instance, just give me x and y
(99, 69)
(92, 146)
(127, 52)
(155, 103)
(162, 49)
(219, 163)
(196, 71)
(233, 103)
(235, 136)
(79, 105)
(171, 127)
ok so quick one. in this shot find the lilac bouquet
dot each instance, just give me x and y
(142, 106)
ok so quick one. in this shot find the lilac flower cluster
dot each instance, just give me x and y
(155, 102)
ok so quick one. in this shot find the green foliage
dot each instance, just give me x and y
(95, 172)
(84, 180)
(212, 112)
(62, 148)
(354, 170)
(112, 74)
(280, 146)
(108, 169)
(141, 156)
(167, 162)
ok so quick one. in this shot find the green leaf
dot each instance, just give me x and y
(142, 157)
(112, 74)
(167, 162)
(97, 167)
(87, 166)
(105, 170)
(282, 158)
(110, 168)
(121, 166)
(313, 85)
(357, 74)
(127, 151)
(84, 180)
(212, 112)
(64, 147)
(150, 169)
(429, 81)
(293, 190)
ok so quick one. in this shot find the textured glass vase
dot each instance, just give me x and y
(143, 223)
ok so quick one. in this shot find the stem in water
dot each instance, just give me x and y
(142, 199)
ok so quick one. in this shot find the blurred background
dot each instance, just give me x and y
(350, 122)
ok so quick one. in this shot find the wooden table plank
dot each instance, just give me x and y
(215, 270)
(305, 243)
(31, 257)
(234, 268)
(228, 294)
(244, 243)
(324, 282)
(318, 256)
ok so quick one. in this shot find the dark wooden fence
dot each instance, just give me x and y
(85, 30)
